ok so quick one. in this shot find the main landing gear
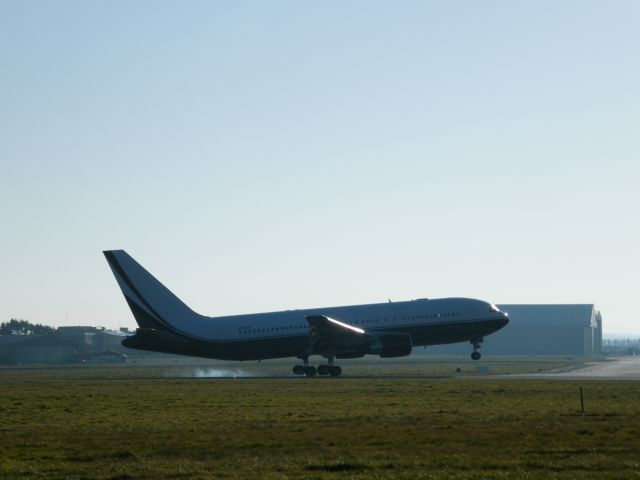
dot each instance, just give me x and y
(310, 371)
(330, 368)
(306, 369)
(477, 343)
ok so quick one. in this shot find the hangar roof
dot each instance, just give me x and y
(558, 314)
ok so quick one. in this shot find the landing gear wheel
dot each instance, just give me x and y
(477, 343)
(323, 369)
(305, 370)
(335, 371)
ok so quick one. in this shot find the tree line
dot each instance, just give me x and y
(24, 327)
(626, 346)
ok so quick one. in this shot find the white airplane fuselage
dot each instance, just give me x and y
(387, 329)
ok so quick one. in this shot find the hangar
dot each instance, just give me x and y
(538, 329)
(38, 349)
(68, 344)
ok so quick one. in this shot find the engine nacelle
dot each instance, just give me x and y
(356, 354)
(391, 345)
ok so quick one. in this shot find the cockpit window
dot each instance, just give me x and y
(493, 308)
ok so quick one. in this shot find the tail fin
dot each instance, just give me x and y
(152, 304)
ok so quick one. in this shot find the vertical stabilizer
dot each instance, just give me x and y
(152, 304)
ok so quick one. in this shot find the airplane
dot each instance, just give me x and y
(390, 329)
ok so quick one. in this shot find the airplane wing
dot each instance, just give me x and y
(331, 335)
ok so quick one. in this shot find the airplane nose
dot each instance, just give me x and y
(505, 318)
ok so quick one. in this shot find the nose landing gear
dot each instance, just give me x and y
(477, 343)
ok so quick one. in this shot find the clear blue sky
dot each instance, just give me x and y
(270, 155)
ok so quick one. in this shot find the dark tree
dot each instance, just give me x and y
(23, 327)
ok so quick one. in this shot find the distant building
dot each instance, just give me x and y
(560, 329)
(67, 344)
(7, 343)
(82, 337)
(40, 349)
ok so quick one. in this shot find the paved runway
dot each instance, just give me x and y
(621, 368)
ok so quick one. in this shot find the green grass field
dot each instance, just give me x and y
(138, 423)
